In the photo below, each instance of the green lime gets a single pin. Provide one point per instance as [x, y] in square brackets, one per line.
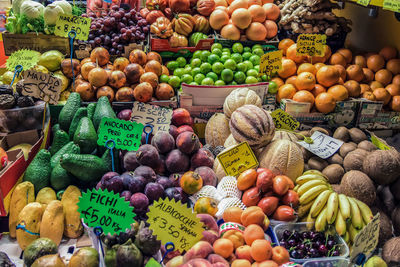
[264, 78]
[232, 83]
[204, 55]
[226, 53]
[237, 57]
[272, 87]
[240, 77]
[256, 46]
[212, 75]
[248, 64]
[216, 45]
[251, 79]
[199, 77]
[226, 50]
[252, 72]
[258, 51]
[216, 51]
[213, 58]
[186, 78]
[227, 75]
[255, 60]
[225, 58]
[237, 48]
[230, 64]
[164, 78]
[197, 54]
[207, 81]
[219, 83]
[193, 83]
[195, 71]
[188, 69]
[259, 79]
[181, 61]
[257, 68]
[246, 55]
[195, 62]
[179, 72]
[174, 81]
[247, 49]
[172, 65]
[217, 67]
[241, 67]
[205, 68]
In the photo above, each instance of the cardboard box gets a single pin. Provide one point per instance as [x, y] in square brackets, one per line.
[82, 50]
[160, 45]
[373, 116]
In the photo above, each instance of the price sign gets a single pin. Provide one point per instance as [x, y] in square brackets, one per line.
[283, 120]
[126, 134]
[367, 239]
[238, 159]
[146, 114]
[24, 57]
[311, 45]
[174, 222]
[393, 5]
[323, 145]
[271, 62]
[105, 209]
[378, 143]
[42, 85]
[66, 23]
[363, 2]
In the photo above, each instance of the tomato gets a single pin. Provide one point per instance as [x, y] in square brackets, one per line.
[265, 180]
[191, 182]
[268, 204]
[251, 197]
[284, 213]
[206, 205]
[291, 198]
[280, 185]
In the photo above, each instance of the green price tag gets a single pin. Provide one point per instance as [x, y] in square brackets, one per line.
[152, 263]
[66, 23]
[107, 210]
[363, 2]
[284, 120]
[24, 57]
[393, 5]
[126, 134]
[311, 45]
[378, 143]
[238, 159]
[271, 62]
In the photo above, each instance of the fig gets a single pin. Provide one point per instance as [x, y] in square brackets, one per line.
[154, 191]
[208, 175]
[126, 195]
[147, 155]
[177, 161]
[188, 142]
[203, 157]
[184, 128]
[163, 142]
[146, 172]
[130, 161]
[165, 182]
[125, 114]
[140, 203]
[173, 131]
[181, 116]
[133, 183]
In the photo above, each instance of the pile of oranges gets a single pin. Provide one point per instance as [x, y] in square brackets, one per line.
[322, 81]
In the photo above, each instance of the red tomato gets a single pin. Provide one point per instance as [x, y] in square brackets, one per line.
[265, 180]
[291, 198]
[280, 185]
[268, 205]
[284, 213]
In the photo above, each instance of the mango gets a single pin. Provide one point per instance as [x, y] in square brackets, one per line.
[73, 227]
[45, 196]
[52, 225]
[23, 194]
[28, 225]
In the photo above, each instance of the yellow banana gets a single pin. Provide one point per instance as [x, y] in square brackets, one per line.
[309, 177]
[332, 207]
[353, 232]
[356, 218]
[346, 237]
[320, 222]
[340, 224]
[296, 187]
[344, 206]
[312, 194]
[314, 172]
[304, 209]
[319, 203]
[366, 212]
[311, 222]
[310, 184]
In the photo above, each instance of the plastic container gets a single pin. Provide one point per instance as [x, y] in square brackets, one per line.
[328, 263]
[301, 227]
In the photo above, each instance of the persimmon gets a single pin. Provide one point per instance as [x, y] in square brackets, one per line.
[393, 89]
[381, 94]
[307, 67]
[353, 88]
[347, 54]
[337, 58]
[318, 89]
[388, 52]
[286, 91]
[395, 103]
[328, 76]
[288, 68]
[375, 62]
[291, 53]
[383, 76]
[284, 45]
[304, 96]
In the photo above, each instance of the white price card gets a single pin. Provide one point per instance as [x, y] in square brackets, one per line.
[322, 145]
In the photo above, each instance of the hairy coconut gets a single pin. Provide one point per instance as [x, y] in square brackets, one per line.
[396, 220]
[385, 228]
[367, 145]
[347, 148]
[337, 188]
[335, 159]
[382, 166]
[316, 163]
[354, 160]
[357, 184]
[391, 250]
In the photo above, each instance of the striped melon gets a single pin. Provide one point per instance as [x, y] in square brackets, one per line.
[283, 157]
[240, 97]
[217, 130]
[279, 135]
[230, 141]
[252, 124]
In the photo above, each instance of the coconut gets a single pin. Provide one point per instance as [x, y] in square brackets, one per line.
[347, 148]
[391, 250]
[357, 135]
[335, 159]
[357, 184]
[334, 172]
[396, 220]
[383, 166]
[342, 133]
[337, 188]
[367, 145]
[385, 229]
[316, 163]
[395, 188]
[354, 160]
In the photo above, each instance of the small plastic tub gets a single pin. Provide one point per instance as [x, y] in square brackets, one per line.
[303, 226]
[328, 263]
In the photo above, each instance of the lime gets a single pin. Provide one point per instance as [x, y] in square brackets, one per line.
[172, 65]
[255, 59]
[219, 83]
[197, 54]
[258, 51]
[174, 81]
[226, 53]
[227, 75]
[205, 68]
[207, 81]
[257, 68]
[248, 64]
[181, 61]
[246, 55]
[216, 45]
[164, 78]
[213, 58]
[251, 79]
[241, 67]
[179, 72]
[199, 77]
[212, 75]
[204, 55]
[247, 49]
[256, 46]
[237, 48]
[217, 67]
[188, 69]
[187, 78]
[217, 51]
[232, 83]
[195, 71]
[230, 64]
[237, 57]
[193, 83]
[264, 78]
[259, 79]
[195, 62]
[252, 72]
[272, 87]
[225, 58]
[240, 77]
[226, 50]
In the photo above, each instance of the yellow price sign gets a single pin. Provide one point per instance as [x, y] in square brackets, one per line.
[311, 45]
[238, 159]
[66, 23]
[174, 222]
[24, 57]
[363, 2]
[393, 5]
[271, 62]
[378, 143]
[283, 120]
[367, 239]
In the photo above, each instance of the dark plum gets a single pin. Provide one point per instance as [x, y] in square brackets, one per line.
[115, 184]
[126, 195]
[173, 131]
[133, 183]
[147, 155]
[177, 161]
[322, 249]
[203, 157]
[143, 140]
[207, 174]
[164, 181]
[130, 161]
[330, 244]
[286, 234]
[160, 168]
[175, 178]
[98, 186]
[176, 193]
[163, 142]
[188, 142]
[125, 114]
[154, 191]
[107, 176]
[146, 172]
[292, 243]
[140, 203]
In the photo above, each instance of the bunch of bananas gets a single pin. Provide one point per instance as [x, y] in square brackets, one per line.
[328, 210]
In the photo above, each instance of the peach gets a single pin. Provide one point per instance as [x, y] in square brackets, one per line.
[215, 258]
[197, 263]
[210, 234]
[244, 252]
[200, 250]
[175, 262]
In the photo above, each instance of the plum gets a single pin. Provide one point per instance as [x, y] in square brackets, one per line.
[130, 161]
[173, 131]
[139, 202]
[163, 142]
[175, 178]
[146, 172]
[125, 114]
[147, 155]
[203, 157]
[188, 142]
[208, 175]
[143, 140]
[153, 191]
[164, 181]
[107, 176]
[133, 183]
[176, 193]
[115, 184]
[160, 169]
[126, 195]
[176, 161]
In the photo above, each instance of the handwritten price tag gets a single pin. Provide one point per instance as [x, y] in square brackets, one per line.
[158, 117]
[174, 222]
[238, 159]
[66, 23]
[367, 239]
[42, 85]
[323, 145]
[24, 57]
[105, 209]
[311, 45]
[126, 134]
[363, 2]
[283, 120]
[393, 5]
[271, 62]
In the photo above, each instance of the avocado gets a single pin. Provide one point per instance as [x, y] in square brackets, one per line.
[103, 110]
[80, 113]
[87, 168]
[85, 136]
[60, 178]
[38, 248]
[68, 148]
[38, 172]
[106, 157]
[88, 257]
[67, 113]
[90, 110]
[52, 260]
[55, 128]
[60, 139]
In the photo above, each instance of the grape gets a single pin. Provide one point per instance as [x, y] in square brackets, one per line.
[115, 7]
[116, 39]
[91, 36]
[112, 21]
[117, 16]
[84, 15]
[123, 30]
[124, 20]
[146, 29]
[115, 45]
[107, 40]
[93, 27]
[112, 51]
[97, 40]
[120, 47]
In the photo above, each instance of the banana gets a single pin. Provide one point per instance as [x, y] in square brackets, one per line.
[311, 222]
[312, 194]
[346, 237]
[307, 186]
[332, 207]
[314, 172]
[353, 232]
[309, 177]
[356, 218]
[366, 212]
[319, 203]
[320, 222]
[340, 224]
[344, 206]
[296, 187]
[303, 209]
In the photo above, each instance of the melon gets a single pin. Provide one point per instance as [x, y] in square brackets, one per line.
[240, 97]
[283, 157]
[280, 135]
[217, 130]
[230, 141]
[252, 124]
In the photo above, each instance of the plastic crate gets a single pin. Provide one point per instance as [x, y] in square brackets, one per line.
[270, 45]
[328, 263]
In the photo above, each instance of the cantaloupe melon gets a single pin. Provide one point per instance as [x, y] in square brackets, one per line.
[230, 141]
[280, 135]
[217, 130]
[240, 97]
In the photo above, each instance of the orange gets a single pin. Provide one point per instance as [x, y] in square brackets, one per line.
[375, 85]
[394, 66]
[284, 45]
[381, 94]
[261, 250]
[236, 237]
[360, 61]
[280, 255]
[339, 92]
[375, 62]
[223, 247]
[304, 96]
[252, 233]
[286, 91]
[319, 65]
[291, 53]
[342, 71]
[383, 76]
[328, 76]
[369, 95]
[353, 88]
[395, 103]
[317, 59]
[305, 81]
[368, 75]
[307, 67]
[355, 72]
[232, 214]
[291, 80]
[396, 79]
[268, 263]
[288, 68]
[337, 59]
[393, 89]
[243, 252]
[365, 87]
[318, 89]
[347, 54]
[325, 103]
[388, 52]
[279, 82]
[241, 263]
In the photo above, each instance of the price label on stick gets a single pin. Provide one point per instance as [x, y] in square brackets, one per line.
[311, 45]
[238, 159]
[146, 114]
[283, 120]
[322, 145]
[271, 62]
[24, 57]
[126, 134]
[66, 23]
[363, 2]
[392, 5]
[107, 210]
[367, 239]
[42, 85]
[174, 222]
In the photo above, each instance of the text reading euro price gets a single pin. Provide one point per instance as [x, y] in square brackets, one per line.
[271, 62]
[283, 120]
[66, 23]
[238, 159]
[311, 44]
[393, 5]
